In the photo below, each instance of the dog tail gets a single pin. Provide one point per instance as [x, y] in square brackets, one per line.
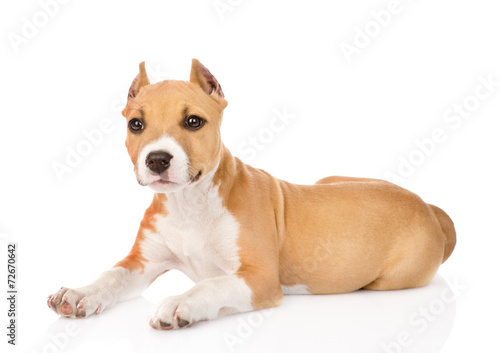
[448, 230]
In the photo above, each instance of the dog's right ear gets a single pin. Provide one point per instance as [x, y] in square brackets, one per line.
[140, 81]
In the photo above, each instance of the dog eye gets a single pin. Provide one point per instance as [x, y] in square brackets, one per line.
[135, 125]
[194, 122]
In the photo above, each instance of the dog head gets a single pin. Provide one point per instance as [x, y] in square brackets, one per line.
[173, 128]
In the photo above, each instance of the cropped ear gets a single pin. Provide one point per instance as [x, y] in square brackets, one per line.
[203, 78]
[139, 81]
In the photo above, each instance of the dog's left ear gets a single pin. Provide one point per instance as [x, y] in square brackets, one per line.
[203, 78]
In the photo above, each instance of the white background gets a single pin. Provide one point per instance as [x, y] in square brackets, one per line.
[358, 118]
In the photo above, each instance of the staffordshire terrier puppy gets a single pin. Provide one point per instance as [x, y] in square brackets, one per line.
[244, 237]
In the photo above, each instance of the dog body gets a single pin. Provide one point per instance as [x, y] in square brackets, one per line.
[245, 237]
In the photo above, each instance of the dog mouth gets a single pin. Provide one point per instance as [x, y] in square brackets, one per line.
[162, 180]
[165, 181]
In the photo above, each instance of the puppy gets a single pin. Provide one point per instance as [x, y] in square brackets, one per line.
[245, 237]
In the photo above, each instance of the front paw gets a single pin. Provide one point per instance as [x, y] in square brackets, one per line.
[176, 312]
[74, 303]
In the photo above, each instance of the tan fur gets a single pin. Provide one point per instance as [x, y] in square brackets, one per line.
[448, 230]
[339, 235]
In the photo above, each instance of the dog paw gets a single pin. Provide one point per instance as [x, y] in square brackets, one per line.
[175, 312]
[72, 303]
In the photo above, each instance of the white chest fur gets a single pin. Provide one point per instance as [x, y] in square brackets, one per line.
[198, 236]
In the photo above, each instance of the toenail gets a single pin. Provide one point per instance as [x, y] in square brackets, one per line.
[183, 323]
[164, 324]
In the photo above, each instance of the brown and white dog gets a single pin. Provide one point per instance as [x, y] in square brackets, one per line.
[245, 237]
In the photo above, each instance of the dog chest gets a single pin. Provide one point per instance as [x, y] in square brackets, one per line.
[198, 236]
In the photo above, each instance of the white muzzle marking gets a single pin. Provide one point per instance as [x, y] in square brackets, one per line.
[175, 177]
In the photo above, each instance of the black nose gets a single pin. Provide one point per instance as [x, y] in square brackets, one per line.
[158, 161]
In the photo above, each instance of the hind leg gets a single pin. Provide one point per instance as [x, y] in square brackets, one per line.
[393, 280]
[411, 270]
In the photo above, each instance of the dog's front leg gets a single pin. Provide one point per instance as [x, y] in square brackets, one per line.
[127, 280]
[115, 285]
[216, 297]
[208, 299]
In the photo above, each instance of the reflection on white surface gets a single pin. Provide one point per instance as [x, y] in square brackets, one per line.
[414, 320]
